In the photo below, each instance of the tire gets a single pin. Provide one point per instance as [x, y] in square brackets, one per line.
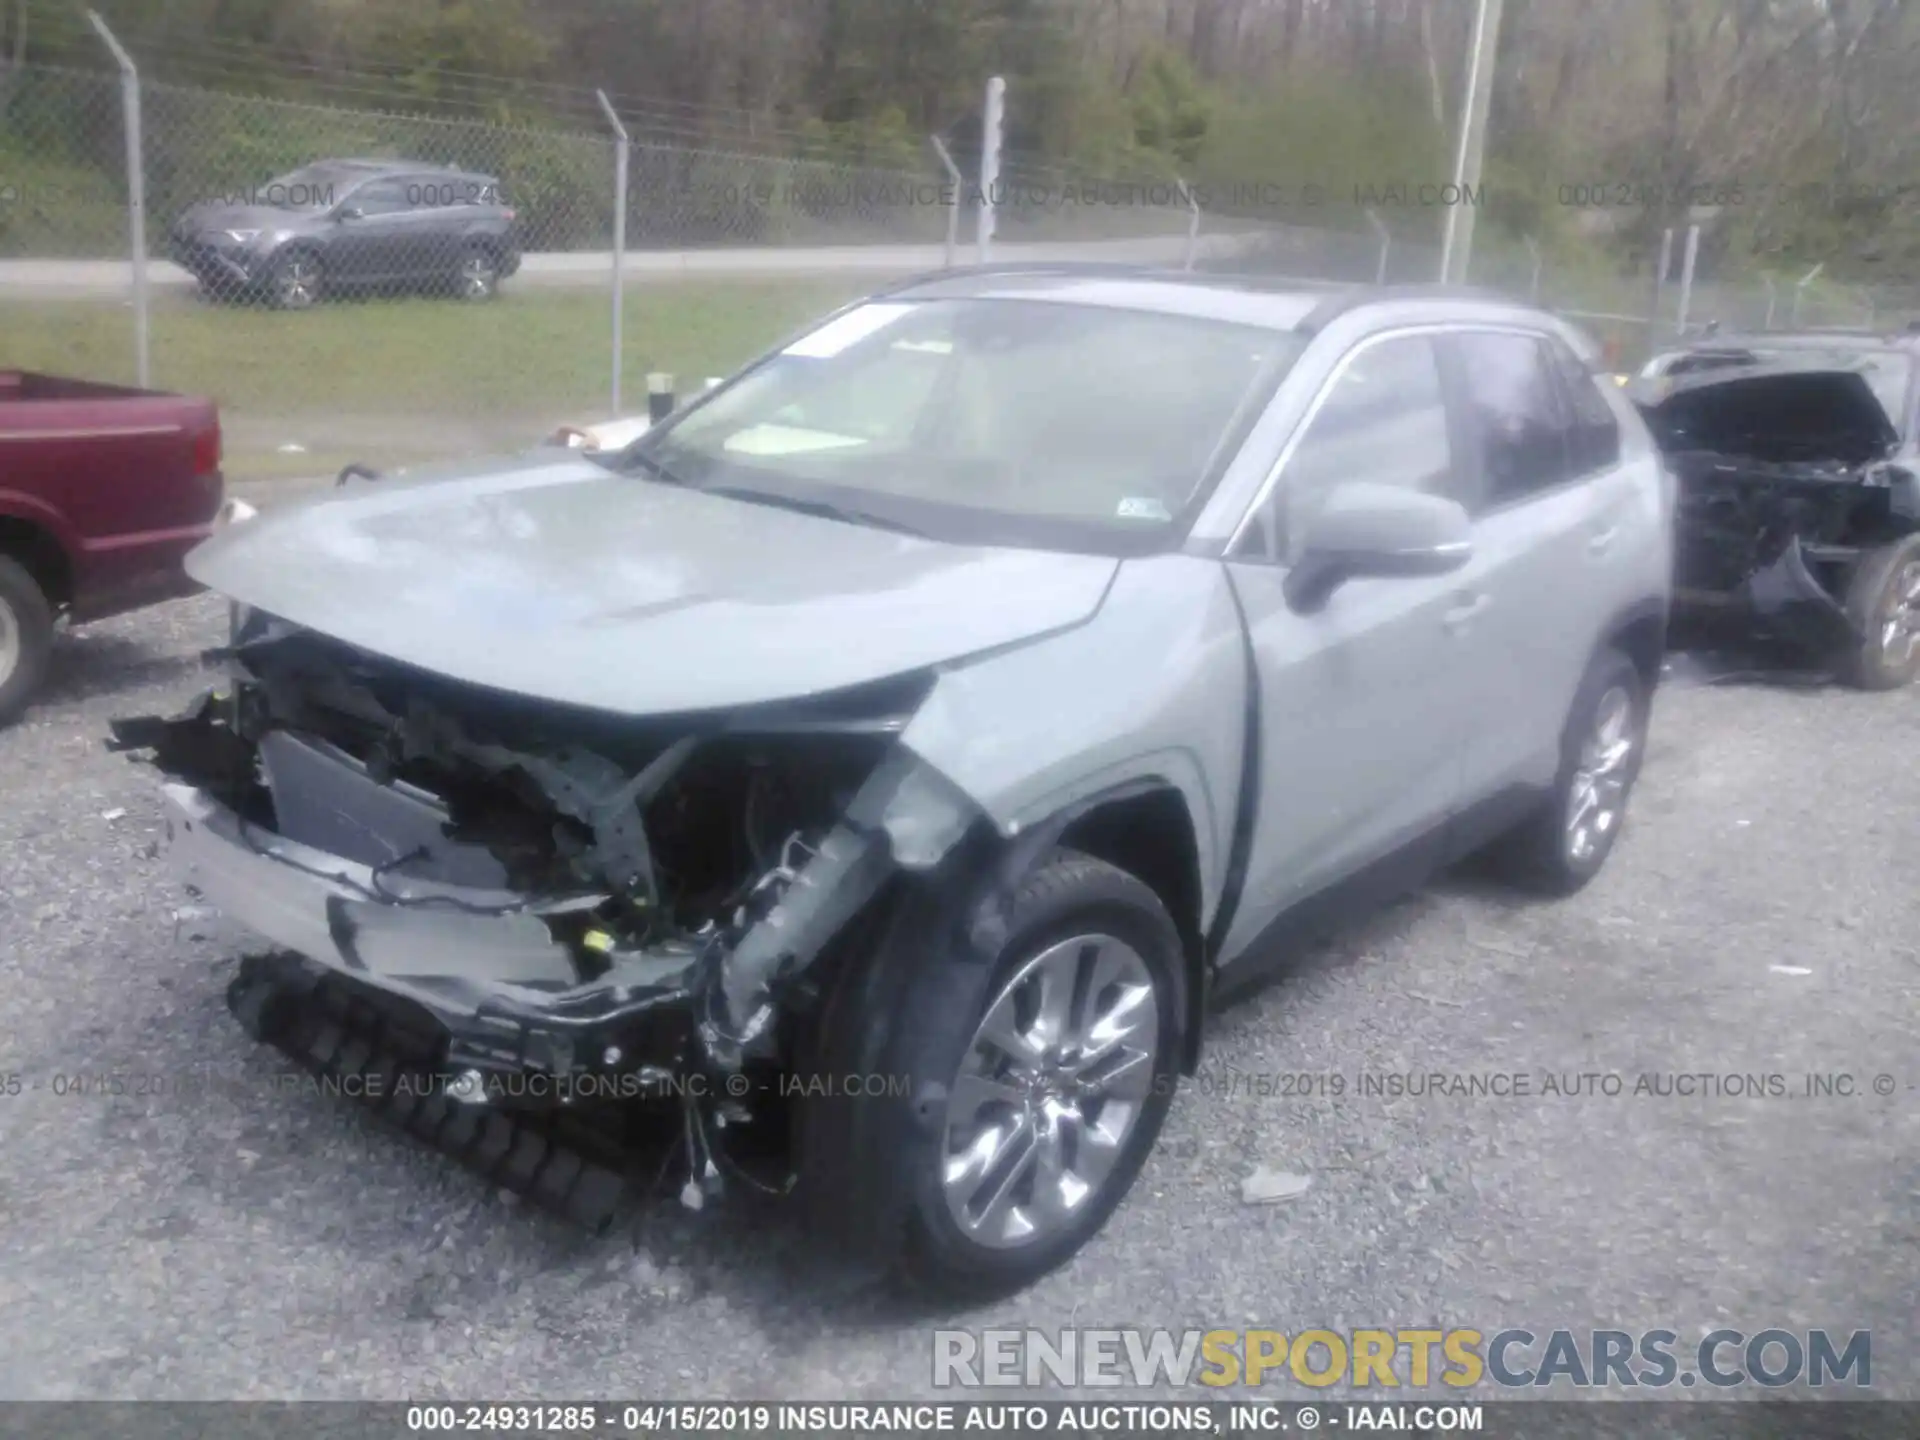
[1545, 853]
[26, 638]
[1883, 600]
[295, 279]
[478, 278]
[871, 1170]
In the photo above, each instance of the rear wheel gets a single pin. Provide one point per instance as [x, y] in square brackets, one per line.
[1039, 1076]
[1567, 841]
[1883, 600]
[26, 638]
[479, 277]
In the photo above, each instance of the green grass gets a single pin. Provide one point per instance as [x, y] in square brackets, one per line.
[392, 380]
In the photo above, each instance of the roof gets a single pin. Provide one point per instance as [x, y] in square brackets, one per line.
[395, 167]
[1246, 299]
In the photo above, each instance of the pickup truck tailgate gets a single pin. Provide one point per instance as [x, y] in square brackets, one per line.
[125, 481]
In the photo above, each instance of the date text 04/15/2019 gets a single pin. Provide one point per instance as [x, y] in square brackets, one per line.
[844, 1418]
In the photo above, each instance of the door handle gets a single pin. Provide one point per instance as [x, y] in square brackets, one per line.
[1464, 610]
[1601, 540]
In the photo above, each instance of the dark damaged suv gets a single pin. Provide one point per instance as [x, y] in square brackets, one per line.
[1799, 480]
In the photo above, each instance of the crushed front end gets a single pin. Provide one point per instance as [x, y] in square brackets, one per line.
[501, 921]
[1787, 478]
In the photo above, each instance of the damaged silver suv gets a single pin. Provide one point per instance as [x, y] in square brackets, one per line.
[878, 768]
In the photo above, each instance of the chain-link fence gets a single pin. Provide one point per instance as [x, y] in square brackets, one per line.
[62, 166]
[361, 283]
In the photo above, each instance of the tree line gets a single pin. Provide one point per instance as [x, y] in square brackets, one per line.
[1791, 126]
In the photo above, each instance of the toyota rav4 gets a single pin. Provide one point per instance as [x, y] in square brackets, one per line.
[884, 762]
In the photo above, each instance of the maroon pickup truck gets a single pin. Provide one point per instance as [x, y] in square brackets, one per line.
[103, 490]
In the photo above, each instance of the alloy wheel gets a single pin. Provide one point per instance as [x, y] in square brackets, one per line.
[1900, 631]
[1599, 789]
[299, 282]
[478, 275]
[1052, 1086]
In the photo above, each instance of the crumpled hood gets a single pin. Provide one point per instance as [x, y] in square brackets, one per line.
[555, 579]
[1769, 411]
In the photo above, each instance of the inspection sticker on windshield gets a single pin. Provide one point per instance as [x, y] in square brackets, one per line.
[851, 328]
[1136, 507]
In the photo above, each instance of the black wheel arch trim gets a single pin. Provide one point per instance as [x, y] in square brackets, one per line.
[1650, 616]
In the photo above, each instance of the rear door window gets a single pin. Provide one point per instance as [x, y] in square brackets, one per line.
[1593, 433]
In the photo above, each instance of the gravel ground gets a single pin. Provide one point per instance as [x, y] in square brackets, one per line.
[251, 1240]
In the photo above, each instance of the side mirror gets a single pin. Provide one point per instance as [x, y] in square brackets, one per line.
[350, 212]
[1381, 531]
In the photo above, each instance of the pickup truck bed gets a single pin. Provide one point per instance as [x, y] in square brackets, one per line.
[103, 490]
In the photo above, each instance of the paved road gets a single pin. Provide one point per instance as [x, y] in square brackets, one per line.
[60, 279]
[256, 1240]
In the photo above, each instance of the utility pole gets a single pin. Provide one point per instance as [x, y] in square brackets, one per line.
[992, 119]
[1456, 248]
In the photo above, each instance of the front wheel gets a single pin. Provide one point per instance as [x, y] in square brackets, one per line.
[1883, 601]
[294, 281]
[1038, 1077]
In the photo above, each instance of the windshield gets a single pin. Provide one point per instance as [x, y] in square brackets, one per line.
[1889, 374]
[987, 421]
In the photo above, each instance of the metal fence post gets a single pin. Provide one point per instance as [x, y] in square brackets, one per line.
[136, 192]
[1193, 224]
[1660, 284]
[1386, 245]
[990, 139]
[619, 239]
[1800, 290]
[1686, 279]
[953, 209]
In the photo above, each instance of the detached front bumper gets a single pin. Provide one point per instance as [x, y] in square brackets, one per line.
[1784, 600]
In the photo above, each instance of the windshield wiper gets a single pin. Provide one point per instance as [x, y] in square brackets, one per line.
[638, 458]
[824, 509]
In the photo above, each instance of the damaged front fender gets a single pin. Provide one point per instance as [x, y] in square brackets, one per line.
[906, 815]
